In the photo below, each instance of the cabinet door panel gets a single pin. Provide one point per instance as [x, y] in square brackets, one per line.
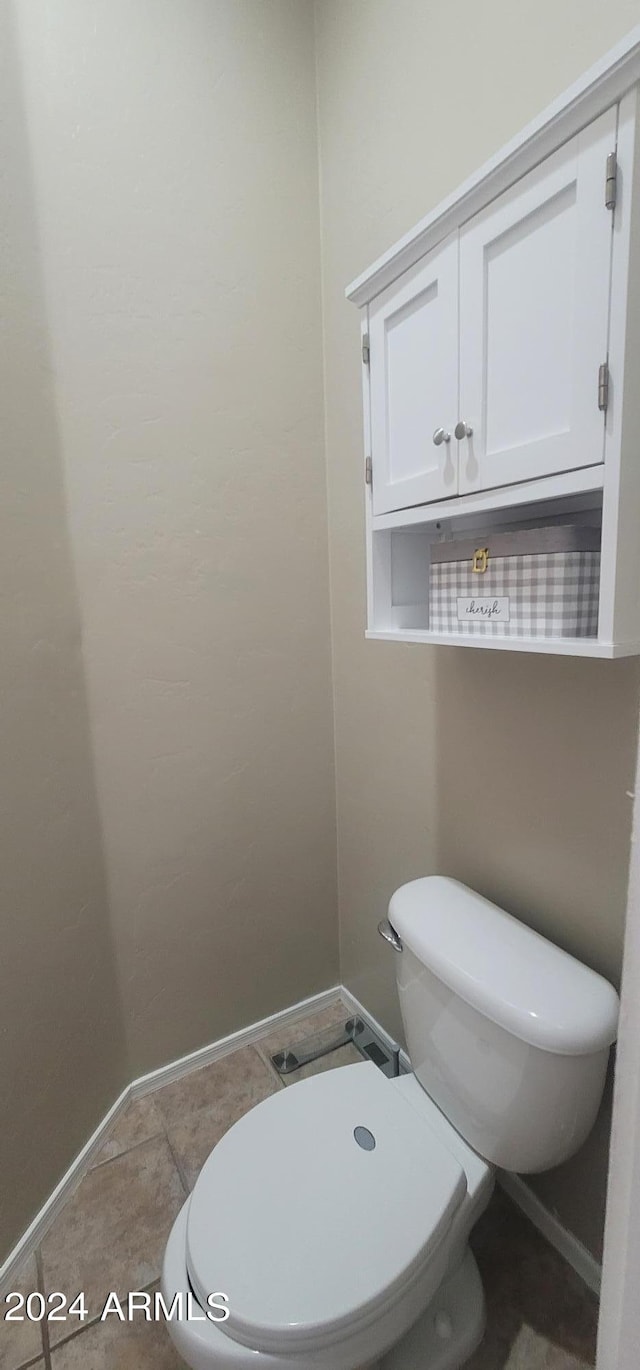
[413, 332]
[534, 304]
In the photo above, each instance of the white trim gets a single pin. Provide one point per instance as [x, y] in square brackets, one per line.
[550, 646]
[619, 1327]
[552, 1229]
[34, 1234]
[599, 88]
[243, 1038]
[586, 481]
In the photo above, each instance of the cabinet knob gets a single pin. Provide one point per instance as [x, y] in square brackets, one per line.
[462, 430]
[441, 436]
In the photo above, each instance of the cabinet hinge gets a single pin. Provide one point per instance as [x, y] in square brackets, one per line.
[603, 386]
[611, 181]
[366, 350]
[368, 471]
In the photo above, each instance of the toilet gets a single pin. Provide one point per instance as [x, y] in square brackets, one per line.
[335, 1215]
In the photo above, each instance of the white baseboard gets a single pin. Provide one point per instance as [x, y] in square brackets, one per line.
[243, 1038]
[34, 1234]
[31, 1239]
[551, 1228]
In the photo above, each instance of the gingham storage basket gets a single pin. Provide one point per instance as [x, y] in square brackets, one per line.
[537, 582]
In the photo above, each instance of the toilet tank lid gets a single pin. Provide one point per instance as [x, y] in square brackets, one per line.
[504, 969]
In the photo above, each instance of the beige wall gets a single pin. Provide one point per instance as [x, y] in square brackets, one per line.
[168, 273]
[62, 1057]
[174, 150]
[508, 772]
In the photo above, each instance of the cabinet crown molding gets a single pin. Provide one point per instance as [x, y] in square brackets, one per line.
[600, 87]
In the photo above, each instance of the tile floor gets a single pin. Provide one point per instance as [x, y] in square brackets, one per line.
[112, 1232]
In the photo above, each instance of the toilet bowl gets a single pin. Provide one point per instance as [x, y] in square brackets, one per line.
[334, 1217]
[304, 1292]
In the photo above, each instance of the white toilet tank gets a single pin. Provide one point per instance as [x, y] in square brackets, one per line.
[508, 1034]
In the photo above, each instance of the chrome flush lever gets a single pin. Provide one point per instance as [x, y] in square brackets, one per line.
[390, 935]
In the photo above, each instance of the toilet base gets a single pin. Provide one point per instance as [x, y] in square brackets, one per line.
[449, 1330]
[443, 1337]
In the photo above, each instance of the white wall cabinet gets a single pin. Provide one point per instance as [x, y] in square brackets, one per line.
[484, 357]
[501, 356]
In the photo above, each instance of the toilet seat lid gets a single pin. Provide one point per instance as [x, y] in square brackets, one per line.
[305, 1229]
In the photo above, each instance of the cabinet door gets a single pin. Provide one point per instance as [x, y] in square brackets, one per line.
[534, 304]
[413, 335]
